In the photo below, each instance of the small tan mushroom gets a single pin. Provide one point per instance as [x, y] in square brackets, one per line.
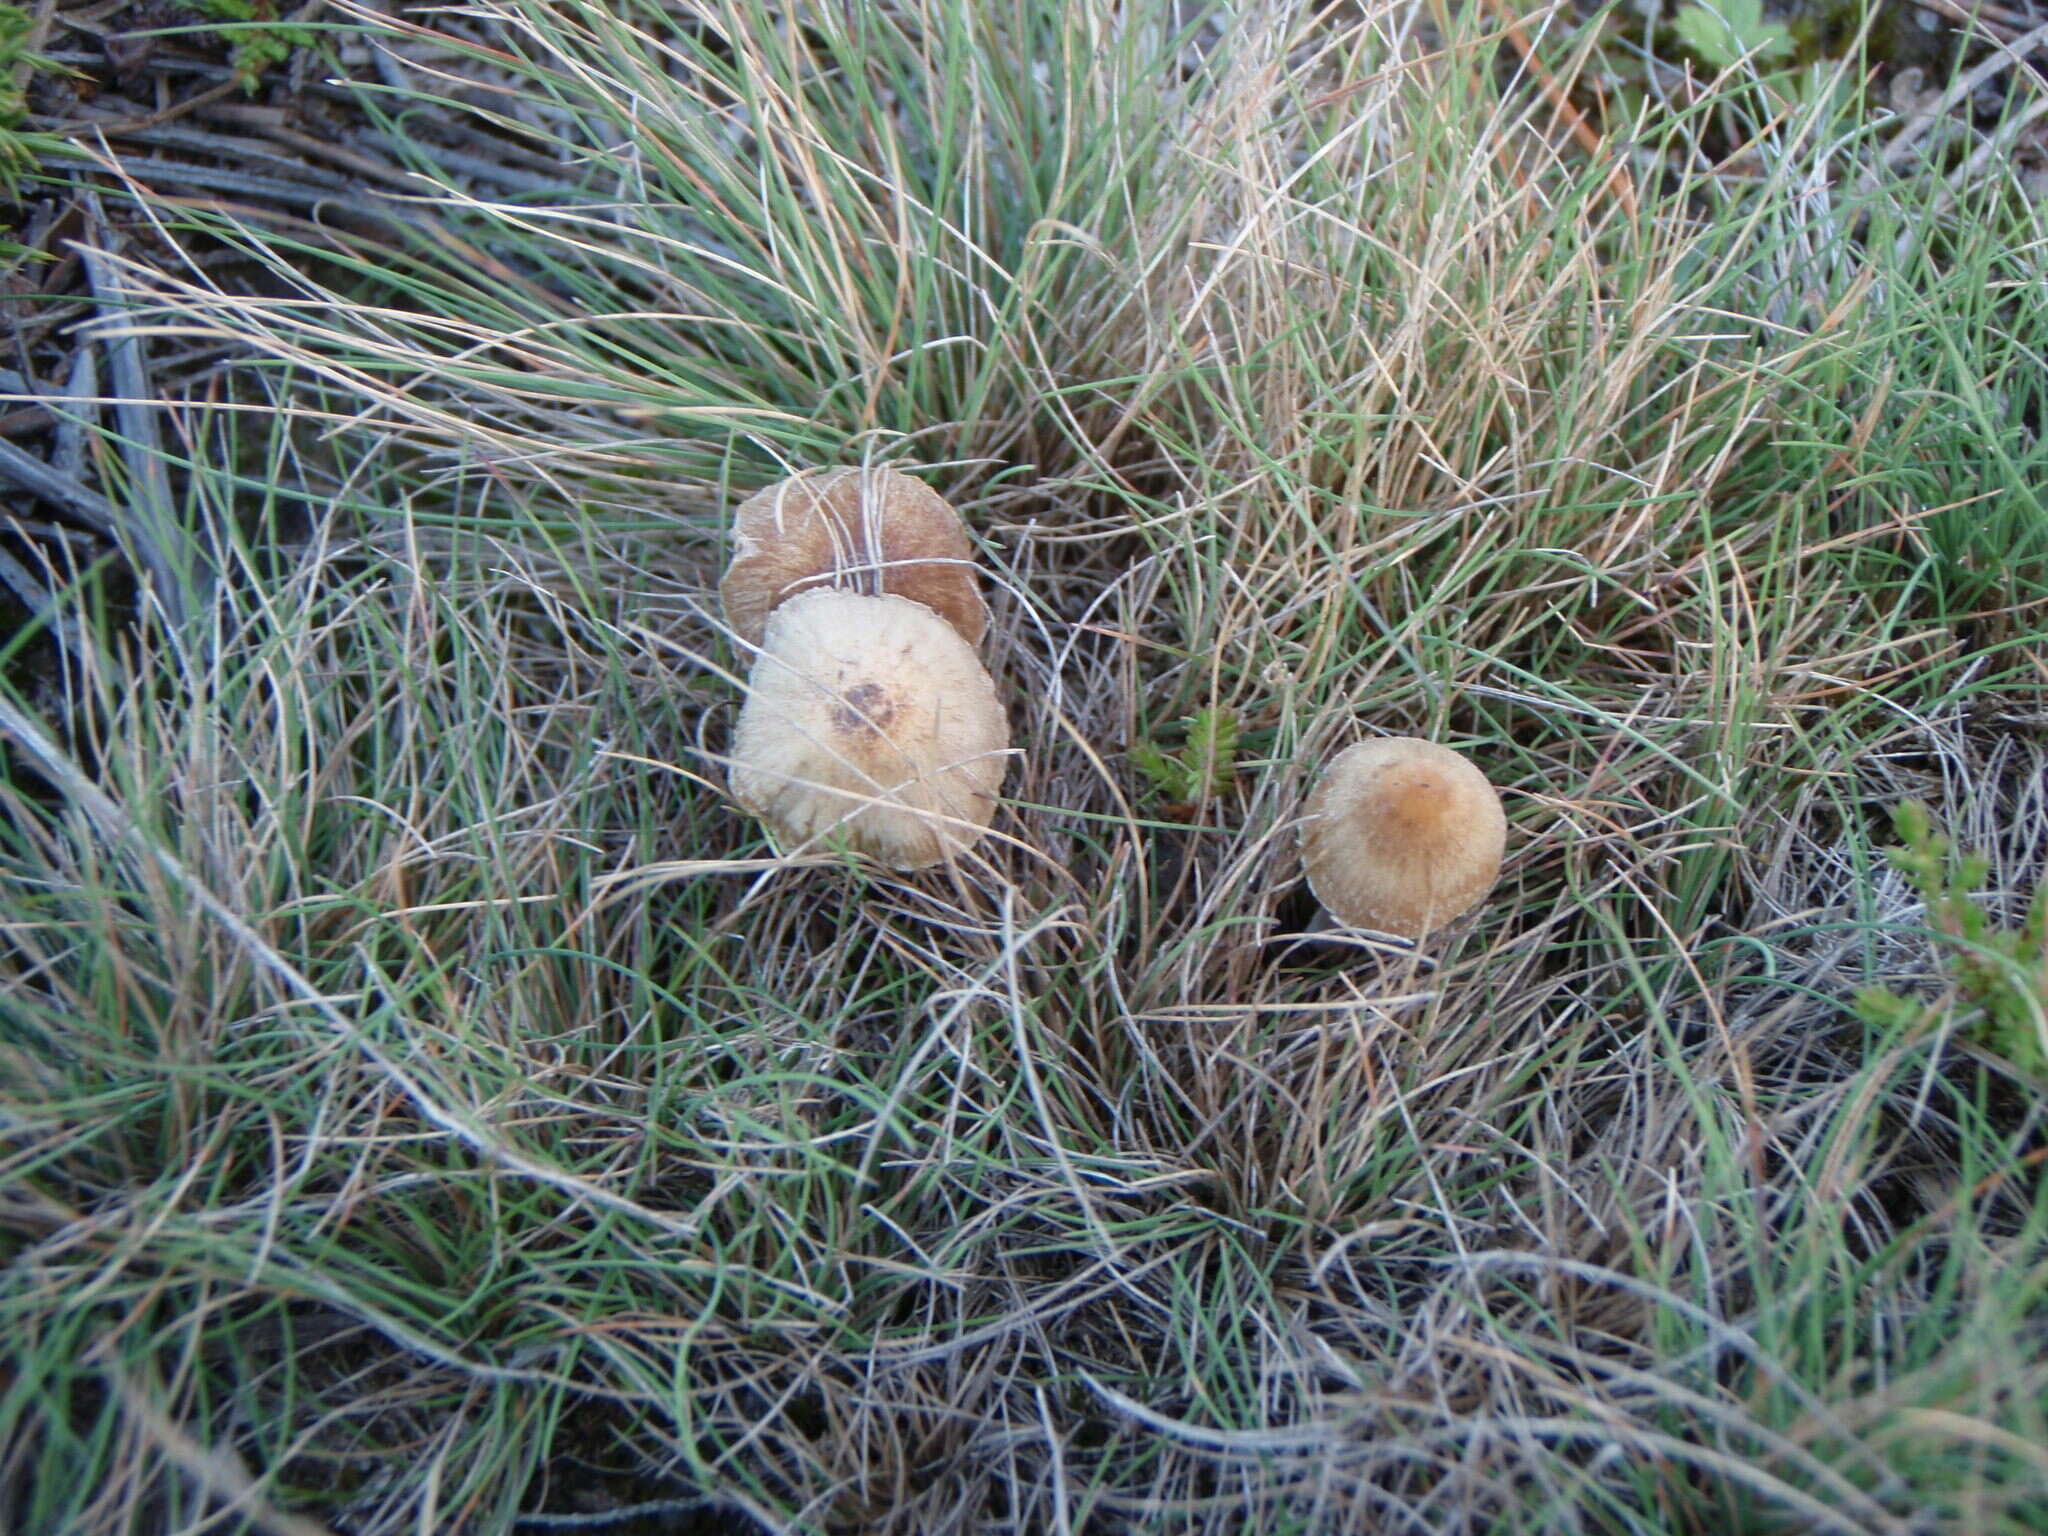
[866, 530]
[1402, 836]
[870, 718]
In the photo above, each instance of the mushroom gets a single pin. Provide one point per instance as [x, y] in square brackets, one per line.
[872, 717]
[869, 530]
[1402, 836]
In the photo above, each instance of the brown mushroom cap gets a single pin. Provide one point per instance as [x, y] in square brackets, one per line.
[1401, 836]
[867, 530]
[871, 718]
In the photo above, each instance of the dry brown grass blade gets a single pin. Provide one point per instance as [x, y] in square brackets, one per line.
[1620, 184]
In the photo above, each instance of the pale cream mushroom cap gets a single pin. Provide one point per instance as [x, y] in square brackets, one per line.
[869, 719]
[866, 530]
[1401, 836]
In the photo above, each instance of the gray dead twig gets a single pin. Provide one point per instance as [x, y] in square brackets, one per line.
[29, 473]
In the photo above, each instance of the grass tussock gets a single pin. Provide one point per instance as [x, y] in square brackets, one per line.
[426, 1104]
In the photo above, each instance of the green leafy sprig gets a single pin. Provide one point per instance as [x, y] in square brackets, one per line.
[2000, 974]
[1204, 766]
[1726, 32]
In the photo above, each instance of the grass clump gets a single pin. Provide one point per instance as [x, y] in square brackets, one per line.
[428, 1104]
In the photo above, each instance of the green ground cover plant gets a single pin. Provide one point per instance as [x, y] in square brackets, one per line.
[2002, 973]
[426, 1103]
[1204, 763]
[261, 39]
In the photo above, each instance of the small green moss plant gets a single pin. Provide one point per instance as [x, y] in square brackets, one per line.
[261, 42]
[2000, 974]
[1203, 767]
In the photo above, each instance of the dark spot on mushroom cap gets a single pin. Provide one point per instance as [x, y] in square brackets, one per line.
[864, 708]
[904, 762]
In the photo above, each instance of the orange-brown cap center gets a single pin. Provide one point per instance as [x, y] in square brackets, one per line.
[1413, 798]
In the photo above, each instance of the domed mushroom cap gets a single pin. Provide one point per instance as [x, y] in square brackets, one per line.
[870, 717]
[867, 530]
[1401, 836]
